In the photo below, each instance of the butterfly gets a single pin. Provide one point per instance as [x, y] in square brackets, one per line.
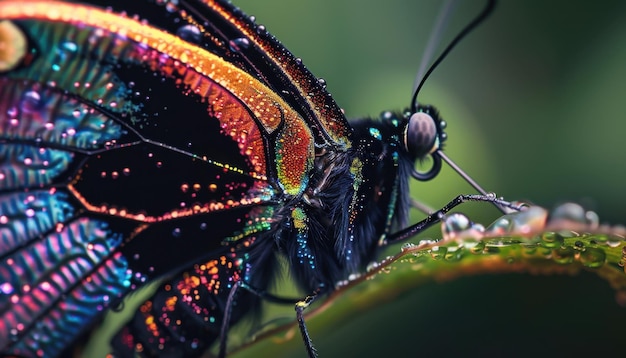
[183, 140]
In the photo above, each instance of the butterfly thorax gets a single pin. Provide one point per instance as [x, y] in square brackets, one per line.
[354, 198]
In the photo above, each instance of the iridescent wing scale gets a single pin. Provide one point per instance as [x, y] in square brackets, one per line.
[131, 149]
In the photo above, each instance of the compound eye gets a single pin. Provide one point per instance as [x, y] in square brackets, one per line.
[421, 136]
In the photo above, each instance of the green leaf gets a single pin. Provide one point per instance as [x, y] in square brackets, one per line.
[528, 284]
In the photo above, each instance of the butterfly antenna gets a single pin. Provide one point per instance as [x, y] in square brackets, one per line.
[434, 40]
[441, 20]
[440, 24]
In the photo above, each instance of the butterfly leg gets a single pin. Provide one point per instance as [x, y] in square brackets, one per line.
[300, 307]
[226, 319]
[440, 214]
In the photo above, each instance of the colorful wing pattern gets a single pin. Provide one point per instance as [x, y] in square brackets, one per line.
[135, 147]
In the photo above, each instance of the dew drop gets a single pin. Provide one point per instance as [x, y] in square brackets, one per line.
[190, 33]
[372, 266]
[551, 240]
[457, 225]
[31, 101]
[477, 248]
[6, 288]
[171, 7]
[568, 212]
[613, 241]
[12, 112]
[563, 255]
[407, 246]
[457, 222]
[593, 257]
[238, 45]
[593, 219]
[69, 46]
[454, 254]
[438, 252]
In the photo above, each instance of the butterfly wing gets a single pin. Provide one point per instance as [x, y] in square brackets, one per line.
[131, 149]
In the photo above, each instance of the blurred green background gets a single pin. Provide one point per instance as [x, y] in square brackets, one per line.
[534, 99]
